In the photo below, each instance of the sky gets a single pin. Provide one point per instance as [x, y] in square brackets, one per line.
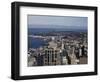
[57, 20]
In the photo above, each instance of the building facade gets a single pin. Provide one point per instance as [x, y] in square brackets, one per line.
[51, 57]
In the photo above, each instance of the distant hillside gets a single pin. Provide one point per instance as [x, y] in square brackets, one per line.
[58, 27]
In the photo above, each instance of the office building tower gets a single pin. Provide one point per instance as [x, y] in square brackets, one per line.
[51, 57]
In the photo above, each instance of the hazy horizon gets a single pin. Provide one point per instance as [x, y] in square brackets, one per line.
[55, 27]
[37, 21]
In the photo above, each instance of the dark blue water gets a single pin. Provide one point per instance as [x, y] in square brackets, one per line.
[35, 30]
[35, 42]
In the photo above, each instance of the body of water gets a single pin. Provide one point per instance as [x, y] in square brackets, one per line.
[37, 42]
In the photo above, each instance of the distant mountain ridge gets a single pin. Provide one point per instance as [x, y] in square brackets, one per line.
[58, 27]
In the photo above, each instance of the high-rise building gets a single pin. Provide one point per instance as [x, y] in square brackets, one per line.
[64, 57]
[40, 61]
[51, 57]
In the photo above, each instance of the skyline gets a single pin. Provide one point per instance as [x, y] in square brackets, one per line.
[65, 21]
